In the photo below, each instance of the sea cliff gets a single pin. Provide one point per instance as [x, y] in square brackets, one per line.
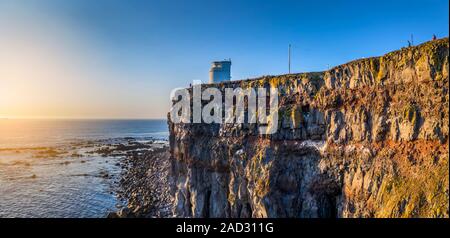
[368, 138]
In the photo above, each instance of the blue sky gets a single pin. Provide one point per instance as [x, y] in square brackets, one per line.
[134, 52]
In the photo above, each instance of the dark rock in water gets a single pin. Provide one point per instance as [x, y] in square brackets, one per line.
[76, 155]
[112, 215]
[123, 213]
[104, 174]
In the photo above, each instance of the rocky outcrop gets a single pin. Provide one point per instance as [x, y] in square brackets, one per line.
[365, 139]
[145, 185]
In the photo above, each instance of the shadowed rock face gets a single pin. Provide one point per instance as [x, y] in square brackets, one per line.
[364, 139]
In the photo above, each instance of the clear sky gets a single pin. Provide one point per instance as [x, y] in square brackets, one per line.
[121, 59]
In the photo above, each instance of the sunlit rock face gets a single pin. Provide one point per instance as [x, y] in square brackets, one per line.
[365, 139]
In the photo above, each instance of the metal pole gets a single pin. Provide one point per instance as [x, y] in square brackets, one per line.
[289, 58]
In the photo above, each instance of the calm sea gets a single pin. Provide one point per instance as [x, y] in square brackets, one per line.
[50, 168]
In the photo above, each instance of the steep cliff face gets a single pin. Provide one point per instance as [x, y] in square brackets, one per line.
[365, 139]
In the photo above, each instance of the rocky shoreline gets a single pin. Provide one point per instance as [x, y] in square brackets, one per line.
[144, 185]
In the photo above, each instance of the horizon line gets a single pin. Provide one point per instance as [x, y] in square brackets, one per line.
[78, 118]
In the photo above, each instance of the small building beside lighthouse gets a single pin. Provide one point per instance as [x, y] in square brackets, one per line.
[220, 71]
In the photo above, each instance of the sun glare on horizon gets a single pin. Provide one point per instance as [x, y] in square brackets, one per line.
[51, 68]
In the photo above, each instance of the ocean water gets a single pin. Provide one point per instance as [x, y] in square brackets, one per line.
[58, 168]
[23, 133]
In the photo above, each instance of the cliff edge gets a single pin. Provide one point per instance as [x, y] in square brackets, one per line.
[364, 139]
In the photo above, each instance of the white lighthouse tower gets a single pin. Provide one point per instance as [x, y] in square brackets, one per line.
[220, 71]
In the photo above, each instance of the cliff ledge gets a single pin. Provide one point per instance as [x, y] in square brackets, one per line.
[364, 139]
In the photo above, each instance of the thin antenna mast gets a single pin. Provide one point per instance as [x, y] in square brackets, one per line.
[289, 58]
